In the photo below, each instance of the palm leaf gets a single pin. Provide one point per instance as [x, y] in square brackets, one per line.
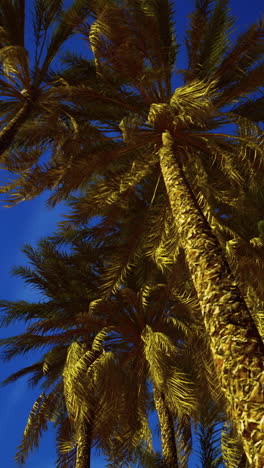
[44, 409]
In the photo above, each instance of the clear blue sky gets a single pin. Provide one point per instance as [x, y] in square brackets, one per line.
[27, 223]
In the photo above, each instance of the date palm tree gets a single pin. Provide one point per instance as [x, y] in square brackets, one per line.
[180, 132]
[85, 362]
[52, 328]
[27, 67]
[80, 380]
[151, 238]
[160, 333]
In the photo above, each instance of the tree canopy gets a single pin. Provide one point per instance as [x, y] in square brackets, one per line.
[158, 296]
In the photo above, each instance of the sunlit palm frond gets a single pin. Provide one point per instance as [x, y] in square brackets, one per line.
[160, 353]
[44, 409]
[231, 446]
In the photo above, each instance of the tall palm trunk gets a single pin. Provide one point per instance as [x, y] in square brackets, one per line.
[84, 445]
[236, 345]
[9, 132]
[169, 449]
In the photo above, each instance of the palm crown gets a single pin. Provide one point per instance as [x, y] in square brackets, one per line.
[27, 68]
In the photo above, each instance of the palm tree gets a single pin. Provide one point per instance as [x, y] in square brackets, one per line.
[178, 130]
[37, 116]
[55, 322]
[120, 429]
[25, 76]
[87, 372]
[80, 379]
[157, 330]
[137, 243]
[63, 323]
[83, 424]
[175, 131]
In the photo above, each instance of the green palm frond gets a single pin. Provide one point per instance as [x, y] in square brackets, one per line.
[160, 354]
[247, 84]
[161, 238]
[21, 310]
[207, 39]
[77, 364]
[56, 355]
[118, 265]
[209, 434]
[44, 410]
[45, 14]
[232, 451]
[215, 42]
[110, 25]
[22, 372]
[157, 17]
[239, 62]
[195, 35]
[78, 69]
[69, 20]
[27, 342]
[14, 62]
[91, 378]
[202, 364]
[184, 439]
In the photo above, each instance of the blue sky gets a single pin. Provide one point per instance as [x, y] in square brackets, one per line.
[27, 223]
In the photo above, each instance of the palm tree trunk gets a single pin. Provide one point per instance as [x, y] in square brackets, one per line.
[169, 449]
[84, 444]
[236, 345]
[9, 132]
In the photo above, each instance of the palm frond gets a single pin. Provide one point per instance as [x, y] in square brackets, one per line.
[69, 21]
[12, 19]
[251, 109]
[209, 435]
[239, 61]
[22, 372]
[160, 354]
[232, 451]
[195, 35]
[44, 409]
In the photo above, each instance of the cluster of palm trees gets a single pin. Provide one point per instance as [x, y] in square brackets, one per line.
[154, 285]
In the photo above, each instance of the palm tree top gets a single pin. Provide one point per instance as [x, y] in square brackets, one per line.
[134, 49]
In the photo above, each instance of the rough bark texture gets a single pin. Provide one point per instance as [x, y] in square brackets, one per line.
[169, 449]
[10, 130]
[84, 442]
[236, 345]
